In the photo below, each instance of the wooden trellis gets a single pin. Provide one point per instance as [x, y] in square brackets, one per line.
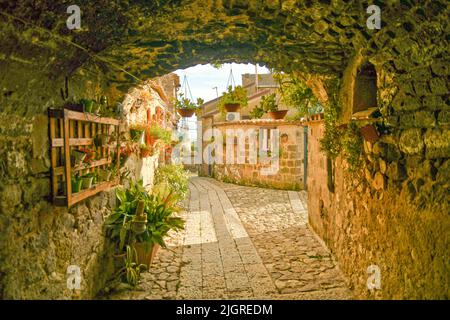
[70, 130]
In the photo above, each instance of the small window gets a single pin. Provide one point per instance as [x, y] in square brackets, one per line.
[365, 91]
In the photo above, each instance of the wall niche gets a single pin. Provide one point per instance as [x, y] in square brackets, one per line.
[365, 89]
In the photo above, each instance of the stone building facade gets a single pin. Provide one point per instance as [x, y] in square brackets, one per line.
[289, 170]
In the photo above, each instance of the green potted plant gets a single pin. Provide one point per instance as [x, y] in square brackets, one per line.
[78, 156]
[257, 112]
[76, 183]
[233, 99]
[158, 207]
[156, 132]
[136, 132]
[186, 108]
[104, 175]
[88, 105]
[87, 180]
[268, 104]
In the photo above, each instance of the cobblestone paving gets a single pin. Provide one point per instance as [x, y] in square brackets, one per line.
[242, 242]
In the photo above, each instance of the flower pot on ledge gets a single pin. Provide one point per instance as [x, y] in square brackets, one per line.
[232, 107]
[277, 115]
[186, 113]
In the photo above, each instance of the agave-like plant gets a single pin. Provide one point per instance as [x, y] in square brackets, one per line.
[159, 206]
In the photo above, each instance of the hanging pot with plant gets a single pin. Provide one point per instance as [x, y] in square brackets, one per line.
[186, 108]
[277, 115]
[268, 104]
[233, 99]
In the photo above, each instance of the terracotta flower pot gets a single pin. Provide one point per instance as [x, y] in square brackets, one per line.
[186, 113]
[146, 153]
[143, 257]
[232, 107]
[277, 115]
[370, 133]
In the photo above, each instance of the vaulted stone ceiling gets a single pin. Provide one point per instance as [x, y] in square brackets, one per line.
[149, 38]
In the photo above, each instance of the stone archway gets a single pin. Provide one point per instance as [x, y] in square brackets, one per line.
[124, 43]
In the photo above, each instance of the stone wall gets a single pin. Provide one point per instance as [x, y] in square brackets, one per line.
[393, 211]
[290, 173]
[38, 241]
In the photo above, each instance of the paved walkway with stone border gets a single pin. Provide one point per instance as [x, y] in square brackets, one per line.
[242, 243]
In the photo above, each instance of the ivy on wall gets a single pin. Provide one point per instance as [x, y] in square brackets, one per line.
[345, 140]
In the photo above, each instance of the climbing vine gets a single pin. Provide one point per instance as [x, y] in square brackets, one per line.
[345, 140]
[331, 141]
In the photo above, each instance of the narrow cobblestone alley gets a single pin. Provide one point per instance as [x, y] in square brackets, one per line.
[242, 243]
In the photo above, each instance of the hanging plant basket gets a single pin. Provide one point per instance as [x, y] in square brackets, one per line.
[186, 113]
[277, 115]
[232, 107]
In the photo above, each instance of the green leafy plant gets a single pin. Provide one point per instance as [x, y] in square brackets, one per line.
[331, 142]
[159, 133]
[352, 147]
[175, 177]
[238, 95]
[268, 103]
[297, 94]
[185, 103]
[136, 131]
[159, 206]
[257, 112]
[132, 270]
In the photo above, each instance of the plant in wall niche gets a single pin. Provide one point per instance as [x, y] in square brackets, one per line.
[186, 108]
[159, 208]
[175, 177]
[269, 104]
[233, 99]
